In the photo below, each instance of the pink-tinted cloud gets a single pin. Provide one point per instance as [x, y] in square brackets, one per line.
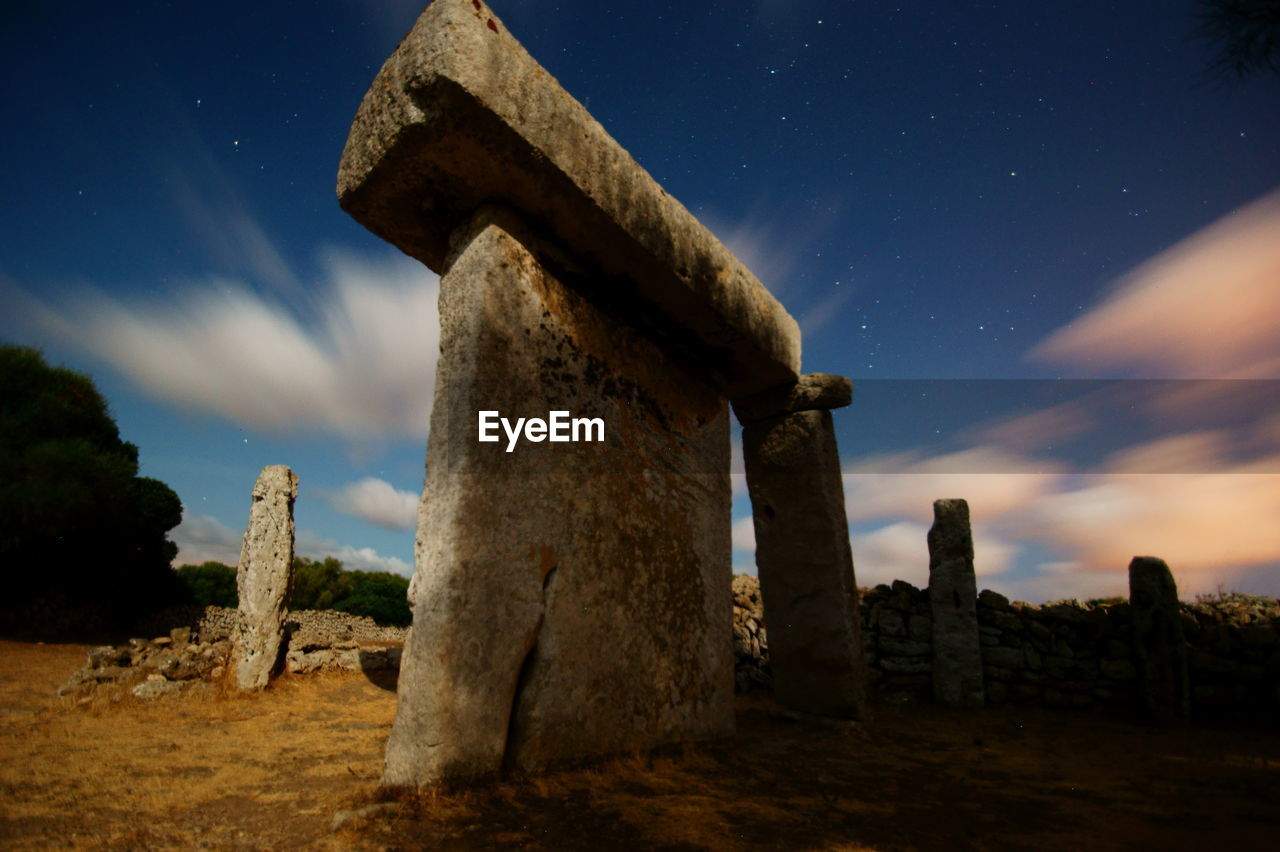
[1206, 308]
[905, 486]
[1210, 527]
[899, 551]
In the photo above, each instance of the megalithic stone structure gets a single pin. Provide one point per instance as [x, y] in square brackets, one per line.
[802, 545]
[570, 599]
[264, 577]
[953, 601]
[1159, 644]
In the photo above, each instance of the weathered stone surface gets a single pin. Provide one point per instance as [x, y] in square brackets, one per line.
[460, 115]
[811, 392]
[1159, 646]
[571, 599]
[805, 563]
[953, 592]
[751, 669]
[264, 576]
[151, 689]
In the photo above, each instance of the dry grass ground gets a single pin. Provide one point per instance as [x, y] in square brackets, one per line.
[269, 771]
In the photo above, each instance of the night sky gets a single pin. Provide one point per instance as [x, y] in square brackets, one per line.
[947, 197]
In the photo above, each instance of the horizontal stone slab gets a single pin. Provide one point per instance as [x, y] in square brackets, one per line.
[461, 115]
[810, 392]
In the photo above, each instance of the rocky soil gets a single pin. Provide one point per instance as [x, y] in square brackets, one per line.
[297, 765]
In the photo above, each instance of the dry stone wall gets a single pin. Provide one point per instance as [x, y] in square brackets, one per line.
[1076, 654]
[1066, 654]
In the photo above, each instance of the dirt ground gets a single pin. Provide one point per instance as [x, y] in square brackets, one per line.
[269, 771]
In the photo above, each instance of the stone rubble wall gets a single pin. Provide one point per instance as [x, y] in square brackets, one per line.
[310, 627]
[197, 651]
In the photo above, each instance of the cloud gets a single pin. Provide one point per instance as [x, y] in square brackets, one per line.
[229, 233]
[1083, 529]
[314, 546]
[905, 485]
[895, 551]
[377, 502]
[744, 536]
[1205, 308]
[900, 551]
[364, 367]
[204, 538]
[1206, 526]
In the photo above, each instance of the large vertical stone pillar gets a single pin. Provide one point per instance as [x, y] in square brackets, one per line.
[802, 545]
[571, 599]
[953, 597]
[1159, 646]
[264, 577]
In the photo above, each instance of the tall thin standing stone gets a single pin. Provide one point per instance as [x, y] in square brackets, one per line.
[953, 594]
[1159, 646]
[264, 576]
[802, 545]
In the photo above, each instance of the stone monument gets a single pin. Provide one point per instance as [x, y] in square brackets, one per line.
[802, 545]
[1159, 644]
[264, 577]
[571, 599]
[953, 601]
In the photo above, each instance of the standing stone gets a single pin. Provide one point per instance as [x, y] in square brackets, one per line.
[571, 599]
[1159, 646]
[802, 546]
[264, 576]
[953, 595]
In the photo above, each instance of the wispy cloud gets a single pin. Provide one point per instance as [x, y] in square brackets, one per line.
[363, 367]
[378, 502]
[230, 235]
[1205, 308]
[204, 538]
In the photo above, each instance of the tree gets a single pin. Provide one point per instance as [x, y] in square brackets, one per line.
[1245, 35]
[210, 584]
[77, 523]
[381, 596]
[325, 584]
[318, 584]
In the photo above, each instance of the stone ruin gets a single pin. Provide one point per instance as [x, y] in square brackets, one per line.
[570, 281]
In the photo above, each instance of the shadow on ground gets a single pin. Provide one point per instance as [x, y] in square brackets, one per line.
[915, 779]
